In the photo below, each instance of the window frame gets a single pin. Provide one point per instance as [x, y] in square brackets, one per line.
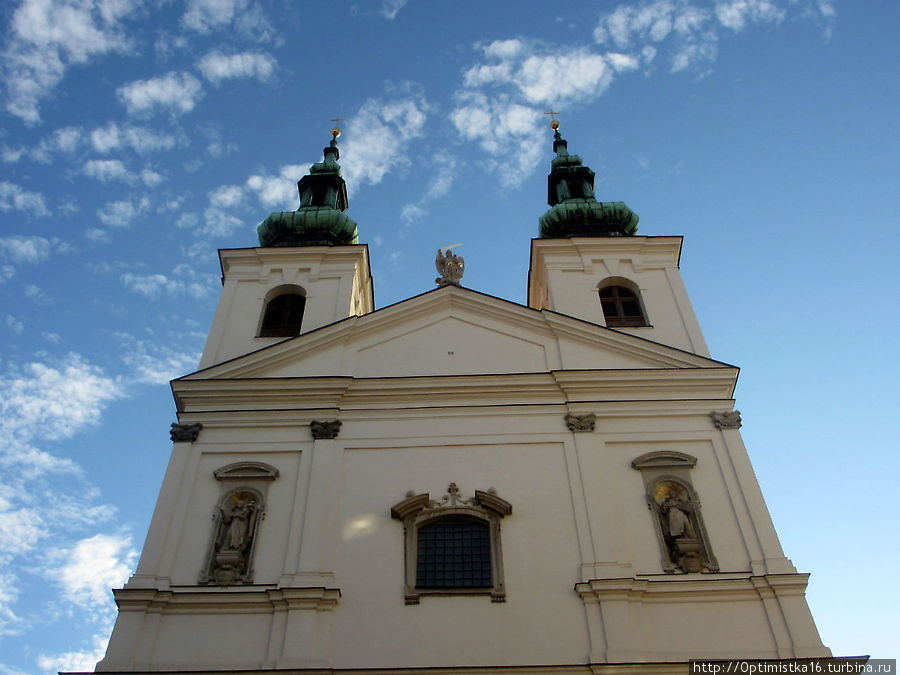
[620, 319]
[419, 510]
[273, 296]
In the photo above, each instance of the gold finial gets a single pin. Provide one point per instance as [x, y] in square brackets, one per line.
[554, 123]
[336, 130]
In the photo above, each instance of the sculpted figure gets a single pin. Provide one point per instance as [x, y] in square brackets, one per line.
[451, 268]
[238, 523]
[233, 544]
[677, 518]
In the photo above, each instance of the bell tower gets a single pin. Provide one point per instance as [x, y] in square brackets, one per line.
[589, 262]
[309, 270]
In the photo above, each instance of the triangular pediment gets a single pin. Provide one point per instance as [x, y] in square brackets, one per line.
[454, 331]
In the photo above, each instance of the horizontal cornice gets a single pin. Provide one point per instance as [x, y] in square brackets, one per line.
[555, 387]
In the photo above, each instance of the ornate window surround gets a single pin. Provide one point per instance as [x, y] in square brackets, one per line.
[419, 509]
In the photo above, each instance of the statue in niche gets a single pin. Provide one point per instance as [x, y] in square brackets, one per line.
[451, 268]
[680, 527]
[236, 524]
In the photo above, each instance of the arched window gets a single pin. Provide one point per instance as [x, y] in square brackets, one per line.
[621, 307]
[283, 314]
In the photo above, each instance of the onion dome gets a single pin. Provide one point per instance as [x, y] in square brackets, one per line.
[320, 220]
[575, 211]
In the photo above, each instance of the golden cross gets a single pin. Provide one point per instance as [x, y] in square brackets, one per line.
[336, 130]
[554, 123]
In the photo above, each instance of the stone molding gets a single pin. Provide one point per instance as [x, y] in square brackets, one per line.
[663, 459]
[581, 423]
[187, 432]
[326, 430]
[242, 599]
[246, 471]
[730, 419]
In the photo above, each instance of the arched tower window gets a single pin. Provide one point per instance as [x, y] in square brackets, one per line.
[621, 304]
[283, 312]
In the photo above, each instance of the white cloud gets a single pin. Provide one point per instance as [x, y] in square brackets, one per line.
[204, 15]
[378, 136]
[183, 281]
[226, 197]
[15, 326]
[543, 76]
[67, 139]
[98, 235]
[691, 29]
[217, 66]
[278, 191]
[501, 103]
[106, 170]
[53, 402]
[411, 213]
[153, 364]
[176, 92]
[438, 186]
[390, 8]
[736, 13]
[48, 36]
[82, 661]
[187, 220]
[122, 213]
[13, 196]
[151, 178]
[94, 566]
[140, 139]
[508, 132]
[218, 223]
[247, 19]
[32, 250]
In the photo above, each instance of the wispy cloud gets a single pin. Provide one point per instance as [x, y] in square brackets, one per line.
[93, 566]
[14, 196]
[152, 363]
[246, 18]
[30, 249]
[123, 213]
[217, 66]
[182, 281]
[278, 191]
[445, 166]
[390, 8]
[140, 139]
[500, 101]
[378, 135]
[106, 170]
[49, 36]
[175, 92]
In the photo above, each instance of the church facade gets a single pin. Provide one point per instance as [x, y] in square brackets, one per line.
[457, 481]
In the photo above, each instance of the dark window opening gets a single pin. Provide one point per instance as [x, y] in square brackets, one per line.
[576, 189]
[319, 196]
[621, 307]
[454, 552]
[283, 316]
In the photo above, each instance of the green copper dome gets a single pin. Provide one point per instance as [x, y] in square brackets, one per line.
[320, 220]
[574, 211]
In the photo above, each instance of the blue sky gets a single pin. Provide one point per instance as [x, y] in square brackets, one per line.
[139, 136]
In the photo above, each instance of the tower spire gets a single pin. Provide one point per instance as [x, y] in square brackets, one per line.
[320, 220]
[575, 212]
